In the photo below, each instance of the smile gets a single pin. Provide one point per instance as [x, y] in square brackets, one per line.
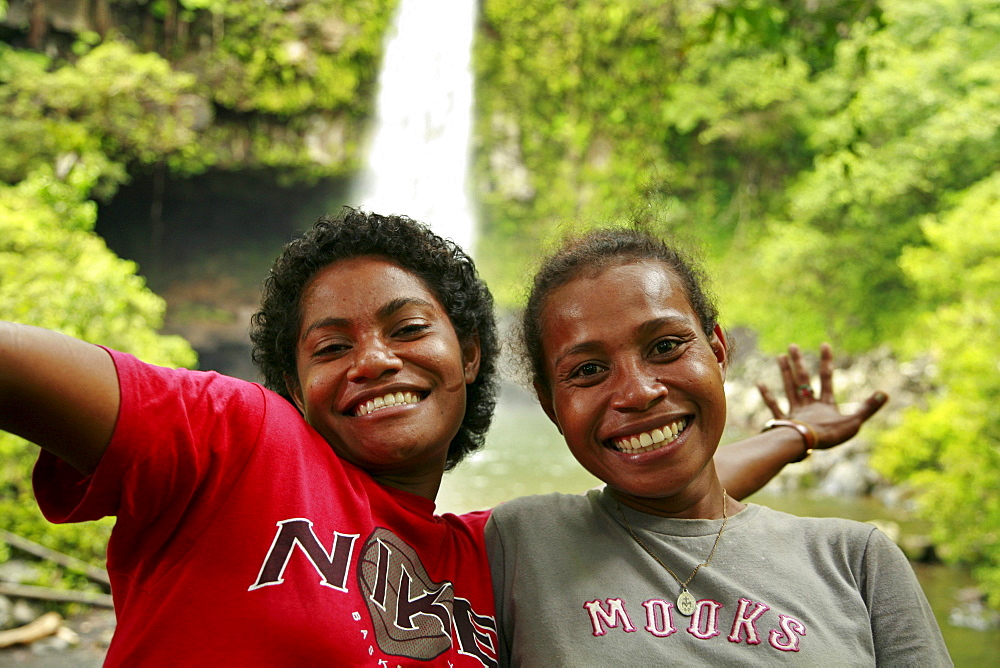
[390, 399]
[651, 440]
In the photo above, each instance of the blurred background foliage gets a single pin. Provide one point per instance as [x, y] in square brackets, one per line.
[836, 159]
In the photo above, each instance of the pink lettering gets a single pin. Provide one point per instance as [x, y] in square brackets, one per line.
[612, 617]
[705, 620]
[745, 622]
[659, 620]
[787, 640]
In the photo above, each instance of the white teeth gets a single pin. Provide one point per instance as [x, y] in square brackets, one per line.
[390, 399]
[651, 440]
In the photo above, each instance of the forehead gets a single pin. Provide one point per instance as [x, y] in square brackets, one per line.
[616, 298]
[363, 284]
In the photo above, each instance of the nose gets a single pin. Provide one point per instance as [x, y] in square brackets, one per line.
[636, 388]
[373, 359]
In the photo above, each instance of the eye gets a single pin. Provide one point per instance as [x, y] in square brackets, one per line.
[411, 330]
[587, 369]
[330, 349]
[665, 346]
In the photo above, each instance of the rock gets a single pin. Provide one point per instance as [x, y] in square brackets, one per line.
[195, 111]
[6, 613]
[849, 477]
[19, 571]
[69, 16]
[972, 611]
[325, 139]
[919, 548]
[51, 645]
[334, 33]
[24, 613]
[889, 528]
[510, 175]
[296, 51]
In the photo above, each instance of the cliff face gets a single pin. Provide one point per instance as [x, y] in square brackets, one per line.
[41, 22]
[278, 85]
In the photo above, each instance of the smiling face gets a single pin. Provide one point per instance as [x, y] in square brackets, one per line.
[635, 384]
[381, 374]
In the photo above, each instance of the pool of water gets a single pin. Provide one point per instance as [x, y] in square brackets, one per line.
[526, 455]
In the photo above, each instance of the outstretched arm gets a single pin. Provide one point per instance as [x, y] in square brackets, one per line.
[58, 392]
[746, 466]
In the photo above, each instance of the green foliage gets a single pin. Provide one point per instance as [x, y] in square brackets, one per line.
[113, 107]
[276, 61]
[239, 84]
[908, 116]
[839, 159]
[56, 273]
[949, 450]
[286, 78]
[605, 107]
[262, 81]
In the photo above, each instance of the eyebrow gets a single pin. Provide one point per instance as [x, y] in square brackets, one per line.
[384, 311]
[651, 325]
[645, 328]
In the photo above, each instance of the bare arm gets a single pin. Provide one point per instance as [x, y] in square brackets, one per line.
[58, 392]
[746, 466]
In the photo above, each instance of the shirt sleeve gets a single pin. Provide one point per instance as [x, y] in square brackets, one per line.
[904, 629]
[495, 551]
[179, 434]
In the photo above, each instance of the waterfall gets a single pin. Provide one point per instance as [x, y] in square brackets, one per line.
[419, 155]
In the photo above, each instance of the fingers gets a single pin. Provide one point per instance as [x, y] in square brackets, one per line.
[770, 401]
[802, 388]
[871, 406]
[787, 378]
[826, 373]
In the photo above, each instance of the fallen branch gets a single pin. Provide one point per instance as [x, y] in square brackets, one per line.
[46, 625]
[94, 573]
[60, 595]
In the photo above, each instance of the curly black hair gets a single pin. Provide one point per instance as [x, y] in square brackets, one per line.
[447, 271]
[590, 254]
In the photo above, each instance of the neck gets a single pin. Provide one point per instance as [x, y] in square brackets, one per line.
[424, 484]
[705, 502]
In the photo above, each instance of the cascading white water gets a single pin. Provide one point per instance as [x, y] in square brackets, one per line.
[419, 156]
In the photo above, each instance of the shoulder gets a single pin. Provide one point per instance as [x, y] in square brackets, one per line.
[834, 533]
[546, 515]
[149, 384]
[821, 525]
[549, 504]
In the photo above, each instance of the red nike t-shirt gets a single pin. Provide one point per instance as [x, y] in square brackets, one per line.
[242, 538]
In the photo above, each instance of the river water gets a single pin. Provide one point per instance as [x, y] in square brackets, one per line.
[524, 455]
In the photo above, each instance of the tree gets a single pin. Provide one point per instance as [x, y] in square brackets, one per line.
[908, 116]
[56, 273]
[949, 450]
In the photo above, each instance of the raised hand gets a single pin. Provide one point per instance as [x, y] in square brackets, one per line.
[820, 413]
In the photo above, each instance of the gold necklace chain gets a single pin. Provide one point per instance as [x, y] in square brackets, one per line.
[685, 601]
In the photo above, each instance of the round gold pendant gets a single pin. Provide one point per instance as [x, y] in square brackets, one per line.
[685, 603]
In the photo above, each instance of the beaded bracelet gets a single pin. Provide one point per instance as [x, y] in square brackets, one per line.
[806, 431]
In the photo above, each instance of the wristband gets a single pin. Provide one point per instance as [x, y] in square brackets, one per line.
[807, 433]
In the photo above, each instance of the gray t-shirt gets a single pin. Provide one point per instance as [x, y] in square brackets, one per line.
[572, 588]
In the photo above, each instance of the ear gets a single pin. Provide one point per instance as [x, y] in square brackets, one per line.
[720, 348]
[471, 352]
[545, 400]
[295, 390]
